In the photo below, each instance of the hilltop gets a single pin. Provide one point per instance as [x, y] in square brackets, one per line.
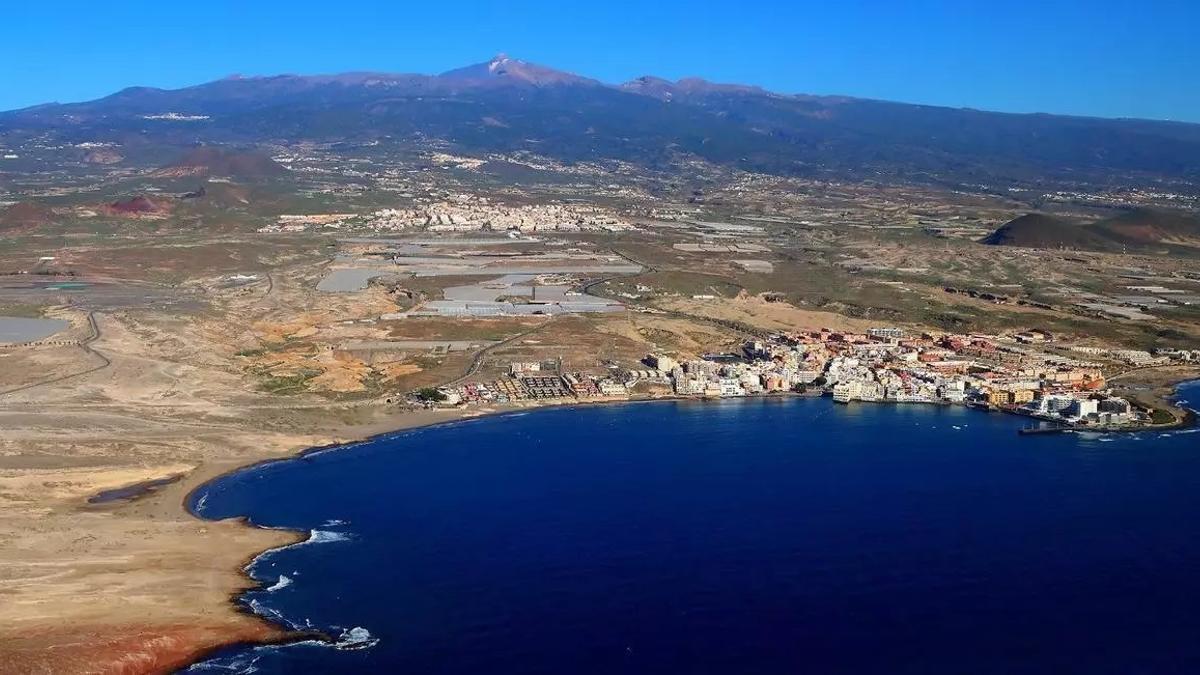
[504, 70]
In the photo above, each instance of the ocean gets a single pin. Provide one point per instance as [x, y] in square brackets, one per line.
[755, 536]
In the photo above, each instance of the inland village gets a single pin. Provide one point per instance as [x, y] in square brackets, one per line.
[787, 337]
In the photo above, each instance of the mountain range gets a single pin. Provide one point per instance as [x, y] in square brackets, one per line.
[507, 105]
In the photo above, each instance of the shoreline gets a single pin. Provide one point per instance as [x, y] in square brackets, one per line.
[283, 635]
[280, 634]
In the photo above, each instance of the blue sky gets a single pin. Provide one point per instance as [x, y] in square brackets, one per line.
[1111, 58]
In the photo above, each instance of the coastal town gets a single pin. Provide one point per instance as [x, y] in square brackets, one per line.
[1023, 374]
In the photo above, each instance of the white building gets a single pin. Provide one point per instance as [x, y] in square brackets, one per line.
[1083, 407]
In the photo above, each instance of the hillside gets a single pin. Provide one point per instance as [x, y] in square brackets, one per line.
[1037, 230]
[24, 217]
[1146, 227]
[138, 205]
[507, 105]
[209, 161]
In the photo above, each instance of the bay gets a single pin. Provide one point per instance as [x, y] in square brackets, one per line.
[744, 536]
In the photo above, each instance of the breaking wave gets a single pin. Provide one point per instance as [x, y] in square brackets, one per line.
[272, 614]
[1178, 432]
[323, 537]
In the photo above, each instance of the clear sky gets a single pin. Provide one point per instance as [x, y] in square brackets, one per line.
[1111, 58]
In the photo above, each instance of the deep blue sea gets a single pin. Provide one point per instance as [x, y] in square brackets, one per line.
[746, 537]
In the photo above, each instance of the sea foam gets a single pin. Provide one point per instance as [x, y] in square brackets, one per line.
[356, 638]
[283, 582]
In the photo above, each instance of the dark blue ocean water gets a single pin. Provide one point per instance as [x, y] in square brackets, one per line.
[747, 537]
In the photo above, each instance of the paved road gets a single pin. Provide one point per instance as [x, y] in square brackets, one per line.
[477, 361]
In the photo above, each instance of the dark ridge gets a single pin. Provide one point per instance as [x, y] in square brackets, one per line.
[1038, 230]
[1136, 229]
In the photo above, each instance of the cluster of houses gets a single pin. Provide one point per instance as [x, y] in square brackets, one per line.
[996, 372]
[463, 213]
